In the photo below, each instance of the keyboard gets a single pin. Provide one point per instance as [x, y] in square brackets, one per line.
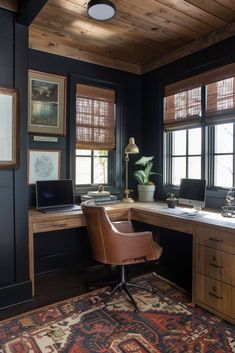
[60, 209]
[181, 212]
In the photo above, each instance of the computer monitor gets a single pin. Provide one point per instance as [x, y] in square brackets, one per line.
[54, 193]
[192, 192]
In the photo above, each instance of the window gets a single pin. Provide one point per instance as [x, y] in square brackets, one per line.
[95, 134]
[200, 129]
[92, 167]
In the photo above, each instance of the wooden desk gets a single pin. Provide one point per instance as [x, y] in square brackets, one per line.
[213, 246]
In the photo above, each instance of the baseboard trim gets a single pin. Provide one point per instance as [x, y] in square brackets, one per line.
[16, 293]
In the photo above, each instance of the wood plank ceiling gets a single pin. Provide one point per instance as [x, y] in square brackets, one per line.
[144, 34]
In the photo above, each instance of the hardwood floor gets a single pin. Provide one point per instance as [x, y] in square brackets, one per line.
[67, 283]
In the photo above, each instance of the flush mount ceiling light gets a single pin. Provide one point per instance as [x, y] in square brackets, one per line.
[101, 10]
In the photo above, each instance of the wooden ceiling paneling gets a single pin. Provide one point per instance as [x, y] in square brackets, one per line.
[9, 5]
[143, 35]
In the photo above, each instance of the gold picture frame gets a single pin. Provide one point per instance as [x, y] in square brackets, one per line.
[43, 165]
[47, 103]
[9, 128]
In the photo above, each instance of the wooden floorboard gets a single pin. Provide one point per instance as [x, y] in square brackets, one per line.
[67, 283]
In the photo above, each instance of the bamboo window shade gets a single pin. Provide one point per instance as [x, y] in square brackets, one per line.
[183, 110]
[220, 101]
[95, 122]
[183, 102]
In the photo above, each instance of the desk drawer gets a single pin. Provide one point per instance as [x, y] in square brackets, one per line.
[216, 264]
[215, 294]
[163, 221]
[215, 238]
[60, 224]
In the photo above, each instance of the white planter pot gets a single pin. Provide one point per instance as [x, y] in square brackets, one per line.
[146, 193]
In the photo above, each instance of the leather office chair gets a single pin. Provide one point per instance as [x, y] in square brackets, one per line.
[116, 243]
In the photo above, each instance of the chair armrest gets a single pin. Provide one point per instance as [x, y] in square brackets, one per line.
[134, 247]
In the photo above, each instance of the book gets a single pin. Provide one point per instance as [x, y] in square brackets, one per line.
[98, 193]
[99, 199]
[106, 202]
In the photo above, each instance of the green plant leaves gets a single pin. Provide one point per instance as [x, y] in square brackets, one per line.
[144, 160]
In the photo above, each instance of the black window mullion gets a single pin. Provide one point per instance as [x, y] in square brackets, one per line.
[92, 166]
[233, 154]
[187, 155]
[203, 134]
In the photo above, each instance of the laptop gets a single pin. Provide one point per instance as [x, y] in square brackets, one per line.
[55, 196]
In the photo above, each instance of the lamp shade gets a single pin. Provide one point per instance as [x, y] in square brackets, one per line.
[132, 148]
[101, 10]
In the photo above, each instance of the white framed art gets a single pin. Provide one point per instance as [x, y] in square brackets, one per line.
[43, 165]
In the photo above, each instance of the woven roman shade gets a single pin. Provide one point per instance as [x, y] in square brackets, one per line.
[220, 101]
[182, 110]
[183, 99]
[95, 123]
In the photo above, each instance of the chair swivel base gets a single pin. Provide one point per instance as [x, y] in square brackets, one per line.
[124, 285]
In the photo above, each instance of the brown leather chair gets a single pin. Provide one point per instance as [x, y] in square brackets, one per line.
[116, 243]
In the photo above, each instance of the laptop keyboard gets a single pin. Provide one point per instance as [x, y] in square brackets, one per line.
[61, 209]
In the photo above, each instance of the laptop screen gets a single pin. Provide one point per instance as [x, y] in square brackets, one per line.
[51, 193]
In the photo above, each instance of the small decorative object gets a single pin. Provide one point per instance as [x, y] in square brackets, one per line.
[171, 200]
[43, 165]
[9, 128]
[229, 209]
[131, 148]
[46, 103]
[146, 187]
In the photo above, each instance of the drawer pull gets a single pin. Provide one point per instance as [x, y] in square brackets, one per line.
[217, 240]
[215, 296]
[216, 266]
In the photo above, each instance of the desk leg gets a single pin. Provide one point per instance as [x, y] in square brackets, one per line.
[31, 257]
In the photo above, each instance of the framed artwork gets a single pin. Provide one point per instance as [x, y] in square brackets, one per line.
[47, 103]
[9, 128]
[43, 165]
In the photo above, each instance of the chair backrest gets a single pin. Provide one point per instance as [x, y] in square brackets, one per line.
[100, 229]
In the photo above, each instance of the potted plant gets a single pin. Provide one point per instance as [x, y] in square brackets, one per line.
[146, 187]
[171, 200]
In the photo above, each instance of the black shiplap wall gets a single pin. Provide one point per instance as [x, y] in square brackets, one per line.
[53, 250]
[14, 284]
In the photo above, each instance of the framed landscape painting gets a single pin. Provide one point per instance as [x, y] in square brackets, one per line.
[47, 103]
[43, 165]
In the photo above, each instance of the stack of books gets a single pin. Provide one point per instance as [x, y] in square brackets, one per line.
[100, 198]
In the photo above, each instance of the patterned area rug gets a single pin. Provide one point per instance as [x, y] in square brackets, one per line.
[168, 322]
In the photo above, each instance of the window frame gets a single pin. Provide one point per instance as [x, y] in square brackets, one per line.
[92, 158]
[217, 193]
[115, 163]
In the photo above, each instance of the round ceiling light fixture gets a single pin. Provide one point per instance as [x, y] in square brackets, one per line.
[101, 10]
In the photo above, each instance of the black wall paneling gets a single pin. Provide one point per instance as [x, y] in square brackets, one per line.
[14, 283]
[128, 111]
[7, 255]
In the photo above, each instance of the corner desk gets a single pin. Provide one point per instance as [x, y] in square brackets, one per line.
[213, 270]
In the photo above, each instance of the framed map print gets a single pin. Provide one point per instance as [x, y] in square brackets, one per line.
[43, 165]
[47, 103]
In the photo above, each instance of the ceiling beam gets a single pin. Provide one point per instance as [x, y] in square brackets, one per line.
[55, 44]
[194, 46]
[28, 10]
[9, 5]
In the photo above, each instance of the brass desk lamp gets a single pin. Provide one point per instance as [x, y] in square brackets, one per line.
[131, 148]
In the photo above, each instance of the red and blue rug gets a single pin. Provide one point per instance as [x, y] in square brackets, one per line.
[167, 323]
